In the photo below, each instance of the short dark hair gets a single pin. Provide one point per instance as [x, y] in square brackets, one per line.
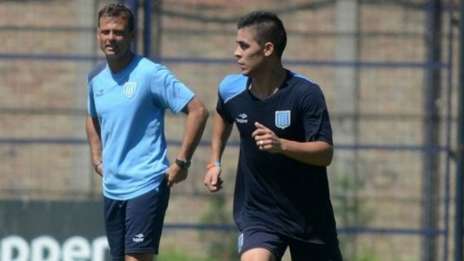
[269, 28]
[117, 10]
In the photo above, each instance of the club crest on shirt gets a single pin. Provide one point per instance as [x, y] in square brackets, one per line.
[129, 89]
[282, 119]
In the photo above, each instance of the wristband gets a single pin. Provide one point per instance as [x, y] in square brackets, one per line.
[216, 164]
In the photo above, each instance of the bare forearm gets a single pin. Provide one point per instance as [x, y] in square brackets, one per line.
[221, 133]
[317, 153]
[194, 127]
[93, 137]
[92, 128]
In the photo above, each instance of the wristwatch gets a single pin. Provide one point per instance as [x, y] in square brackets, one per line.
[183, 163]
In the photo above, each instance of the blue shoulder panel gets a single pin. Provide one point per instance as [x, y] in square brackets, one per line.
[302, 77]
[232, 85]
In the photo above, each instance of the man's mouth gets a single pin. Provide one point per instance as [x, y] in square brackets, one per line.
[110, 47]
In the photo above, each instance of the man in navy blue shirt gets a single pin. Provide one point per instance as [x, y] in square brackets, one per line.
[281, 194]
[127, 99]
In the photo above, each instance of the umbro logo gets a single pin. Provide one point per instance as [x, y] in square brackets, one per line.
[99, 92]
[138, 238]
[242, 118]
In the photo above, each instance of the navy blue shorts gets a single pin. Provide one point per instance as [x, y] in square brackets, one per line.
[134, 226]
[277, 244]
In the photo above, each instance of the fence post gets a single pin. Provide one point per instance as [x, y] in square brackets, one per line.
[158, 33]
[430, 184]
[134, 7]
[347, 84]
[458, 224]
[147, 28]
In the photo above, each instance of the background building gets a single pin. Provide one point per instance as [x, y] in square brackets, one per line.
[388, 70]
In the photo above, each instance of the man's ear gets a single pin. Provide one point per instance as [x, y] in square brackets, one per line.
[268, 49]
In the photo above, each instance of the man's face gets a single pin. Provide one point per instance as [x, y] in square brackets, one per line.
[249, 53]
[114, 37]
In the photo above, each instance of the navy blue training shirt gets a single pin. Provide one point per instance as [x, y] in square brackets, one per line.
[274, 191]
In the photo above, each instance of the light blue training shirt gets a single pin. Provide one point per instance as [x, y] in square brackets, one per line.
[130, 107]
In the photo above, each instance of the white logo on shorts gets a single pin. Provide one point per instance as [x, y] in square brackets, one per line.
[240, 243]
[138, 238]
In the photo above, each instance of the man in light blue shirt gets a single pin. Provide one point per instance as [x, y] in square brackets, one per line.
[127, 98]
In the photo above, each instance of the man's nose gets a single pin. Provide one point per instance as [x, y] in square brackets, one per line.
[237, 53]
[111, 35]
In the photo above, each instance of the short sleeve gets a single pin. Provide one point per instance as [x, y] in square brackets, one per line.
[231, 86]
[221, 110]
[91, 102]
[316, 119]
[91, 108]
[168, 91]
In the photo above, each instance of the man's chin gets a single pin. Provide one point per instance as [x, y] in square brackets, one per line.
[244, 72]
[111, 56]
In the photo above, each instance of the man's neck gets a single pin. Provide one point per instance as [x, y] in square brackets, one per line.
[118, 64]
[268, 82]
